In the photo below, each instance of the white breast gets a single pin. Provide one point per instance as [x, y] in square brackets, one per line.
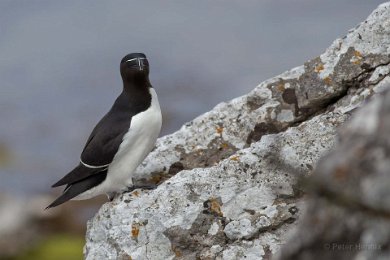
[137, 143]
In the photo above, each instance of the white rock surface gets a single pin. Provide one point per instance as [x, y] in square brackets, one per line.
[230, 186]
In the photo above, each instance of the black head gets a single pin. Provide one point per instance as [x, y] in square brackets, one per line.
[134, 68]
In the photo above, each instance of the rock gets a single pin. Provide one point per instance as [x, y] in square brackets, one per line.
[348, 214]
[229, 180]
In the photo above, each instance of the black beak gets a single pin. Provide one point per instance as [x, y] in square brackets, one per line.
[141, 63]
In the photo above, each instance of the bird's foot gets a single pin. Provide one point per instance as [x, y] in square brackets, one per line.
[111, 195]
[143, 186]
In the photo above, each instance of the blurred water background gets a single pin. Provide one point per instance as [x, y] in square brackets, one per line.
[59, 66]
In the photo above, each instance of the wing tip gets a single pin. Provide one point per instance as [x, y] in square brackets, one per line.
[50, 206]
[60, 200]
[74, 189]
[58, 183]
[65, 180]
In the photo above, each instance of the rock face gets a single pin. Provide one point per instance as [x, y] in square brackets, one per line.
[348, 214]
[229, 180]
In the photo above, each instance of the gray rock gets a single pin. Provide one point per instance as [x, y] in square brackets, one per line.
[230, 178]
[348, 214]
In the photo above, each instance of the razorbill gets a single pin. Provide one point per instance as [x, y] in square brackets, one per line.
[120, 141]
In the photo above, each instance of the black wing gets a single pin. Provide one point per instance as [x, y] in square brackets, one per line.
[104, 141]
[102, 144]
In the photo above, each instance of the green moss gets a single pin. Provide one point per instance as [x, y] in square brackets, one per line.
[58, 247]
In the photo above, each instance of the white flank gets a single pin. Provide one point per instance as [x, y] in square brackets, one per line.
[137, 143]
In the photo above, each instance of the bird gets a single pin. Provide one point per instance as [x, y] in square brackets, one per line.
[120, 141]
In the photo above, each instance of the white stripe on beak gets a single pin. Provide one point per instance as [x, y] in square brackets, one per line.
[139, 62]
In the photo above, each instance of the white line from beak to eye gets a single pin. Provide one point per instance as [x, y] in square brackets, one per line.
[136, 59]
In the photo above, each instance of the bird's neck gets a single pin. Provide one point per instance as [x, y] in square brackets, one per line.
[134, 88]
[135, 84]
[136, 94]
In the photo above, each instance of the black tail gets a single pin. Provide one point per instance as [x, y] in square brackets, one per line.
[72, 190]
[77, 174]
